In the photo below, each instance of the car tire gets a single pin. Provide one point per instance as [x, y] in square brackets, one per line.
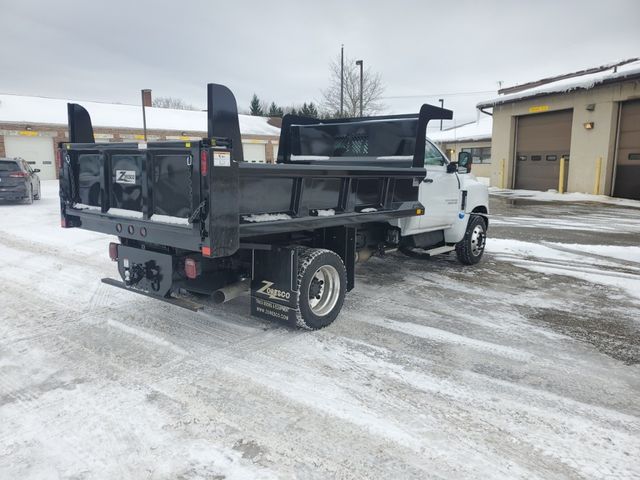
[29, 199]
[322, 286]
[38, 195]
[471, 248]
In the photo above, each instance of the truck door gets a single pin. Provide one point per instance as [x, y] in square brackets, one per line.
[439, 192]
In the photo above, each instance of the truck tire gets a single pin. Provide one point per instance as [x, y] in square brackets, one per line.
[470, 249]
[322, 286]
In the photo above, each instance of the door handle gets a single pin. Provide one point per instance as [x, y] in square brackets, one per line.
[428, 180]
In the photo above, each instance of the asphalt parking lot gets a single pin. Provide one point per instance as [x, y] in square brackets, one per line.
[524, 366]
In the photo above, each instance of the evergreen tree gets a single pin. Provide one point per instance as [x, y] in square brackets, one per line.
[275, 111]
[255, 107]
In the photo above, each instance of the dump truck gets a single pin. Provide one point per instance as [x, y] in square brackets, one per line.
[194, 219]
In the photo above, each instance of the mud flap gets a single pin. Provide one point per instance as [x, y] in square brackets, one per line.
[274, 293]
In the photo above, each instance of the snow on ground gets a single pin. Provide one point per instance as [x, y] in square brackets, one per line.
[554, 196]
[514, 368]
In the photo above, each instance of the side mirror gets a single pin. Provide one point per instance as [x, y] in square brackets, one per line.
[465, 160]
[452, 167]
[36, 170]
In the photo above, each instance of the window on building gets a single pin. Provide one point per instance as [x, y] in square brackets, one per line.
[479, 154]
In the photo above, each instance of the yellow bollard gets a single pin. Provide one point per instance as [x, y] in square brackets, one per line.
[502, 174]
[596, 186]
[561, 178]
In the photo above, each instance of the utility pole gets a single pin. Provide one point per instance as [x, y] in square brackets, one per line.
[144, 114]
[441, 100]
[342, 80]
[361, 63]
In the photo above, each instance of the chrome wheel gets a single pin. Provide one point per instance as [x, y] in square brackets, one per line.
[324, 290]
[477, 240]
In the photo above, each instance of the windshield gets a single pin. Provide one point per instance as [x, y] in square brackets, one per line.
[8, 166]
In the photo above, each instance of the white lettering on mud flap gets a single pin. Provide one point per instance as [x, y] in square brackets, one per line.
[221, 159]
[273, 293]
[126, 176]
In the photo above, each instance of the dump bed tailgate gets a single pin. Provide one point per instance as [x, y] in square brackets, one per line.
[142, 191]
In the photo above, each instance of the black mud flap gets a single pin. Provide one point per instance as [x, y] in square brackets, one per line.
[274, 294]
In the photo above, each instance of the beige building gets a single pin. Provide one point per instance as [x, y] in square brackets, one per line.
[585, 124]
[32, 127]
[474, 137]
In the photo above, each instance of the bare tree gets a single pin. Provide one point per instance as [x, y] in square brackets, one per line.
[172, 102]
[372, 90]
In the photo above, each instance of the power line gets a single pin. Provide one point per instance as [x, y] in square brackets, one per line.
[449, 94]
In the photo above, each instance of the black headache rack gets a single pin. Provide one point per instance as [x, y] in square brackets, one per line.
[201, 196]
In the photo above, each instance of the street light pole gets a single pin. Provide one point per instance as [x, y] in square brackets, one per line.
[361, 63]
[441, 100]
[342, 80]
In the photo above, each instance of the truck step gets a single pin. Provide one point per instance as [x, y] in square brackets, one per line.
[178, 302]
[439, 250]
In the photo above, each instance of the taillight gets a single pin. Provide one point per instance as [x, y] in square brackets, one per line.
[19, 174]
[113, 251]
[190, 268]
[206, 251]
[204, 164]
[59, 158]
[63, 222]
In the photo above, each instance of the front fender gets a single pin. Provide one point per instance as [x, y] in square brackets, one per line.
[477, 202]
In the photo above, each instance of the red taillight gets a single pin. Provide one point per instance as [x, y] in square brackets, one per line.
[204, 164]
[59, 158]
[206, 251]
[190, 268]
[113, 251]
[63, 222]
[19, 174]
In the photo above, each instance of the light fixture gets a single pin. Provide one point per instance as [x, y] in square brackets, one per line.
[588, 125]
[591, 107]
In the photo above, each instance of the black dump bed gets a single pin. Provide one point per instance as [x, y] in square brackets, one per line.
[201, 196]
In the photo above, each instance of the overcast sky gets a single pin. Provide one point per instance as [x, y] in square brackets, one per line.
[424, 50]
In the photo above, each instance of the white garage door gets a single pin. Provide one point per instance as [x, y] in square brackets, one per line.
[254, 152]
[275, 151]
[38, 151]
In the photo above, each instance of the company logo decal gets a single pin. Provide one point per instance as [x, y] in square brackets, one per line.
[126, 176]
[273, 293]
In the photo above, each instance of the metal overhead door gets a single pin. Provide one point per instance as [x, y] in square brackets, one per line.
[37, 151]
[254, 152]
[627, 181]
[541, 140]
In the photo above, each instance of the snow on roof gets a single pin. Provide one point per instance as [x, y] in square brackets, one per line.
[480, 130]
[583, 82]
[18, 109]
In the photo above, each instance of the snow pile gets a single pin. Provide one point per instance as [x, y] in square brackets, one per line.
[266, 217]
[121, 212]
[480, 130]
[554, 196]
[82, 206]
[18, 108]
[326, 213]
[168, 219]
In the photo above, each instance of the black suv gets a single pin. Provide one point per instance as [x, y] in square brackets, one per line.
[18, 181]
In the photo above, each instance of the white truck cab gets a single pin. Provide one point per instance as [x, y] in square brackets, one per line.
[456, 210]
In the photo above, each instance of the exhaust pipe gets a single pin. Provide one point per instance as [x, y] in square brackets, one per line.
[231, 291]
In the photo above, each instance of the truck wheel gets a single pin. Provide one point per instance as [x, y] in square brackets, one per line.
[322, 286]
[470, 249]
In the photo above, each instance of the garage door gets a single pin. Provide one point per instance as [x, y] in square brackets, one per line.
[37, 151]
[627, 180]
[254, 152]
[542, 139]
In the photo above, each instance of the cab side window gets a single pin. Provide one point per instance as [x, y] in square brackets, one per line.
[432, 155]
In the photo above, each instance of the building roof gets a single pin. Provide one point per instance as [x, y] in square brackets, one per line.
[469, 132]
[24, 109]
[583, 80]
